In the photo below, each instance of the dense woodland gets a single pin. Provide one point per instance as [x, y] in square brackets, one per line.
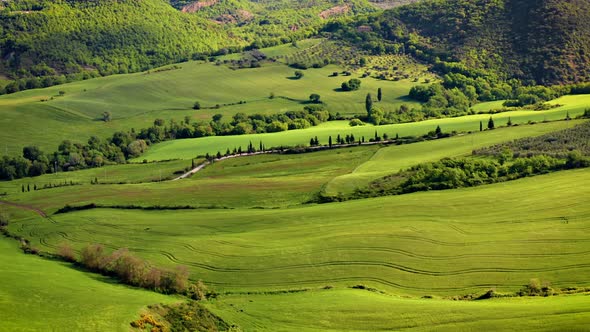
[101, 37]
[538, 42]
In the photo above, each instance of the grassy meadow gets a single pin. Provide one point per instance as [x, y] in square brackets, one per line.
[190, 148]
[465, 243]
[330, 310]
[136, 100]
[42, 295]
[278, 261]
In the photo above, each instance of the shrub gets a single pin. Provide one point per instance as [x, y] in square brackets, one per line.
[66, 252]
[356, 122]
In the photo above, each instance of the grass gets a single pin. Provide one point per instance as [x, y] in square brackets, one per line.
[136, 100]
[359, 310]
[41, 295]
[189, 148]
[125, 173]
[394, 158]
[435, 243]
[257, 181]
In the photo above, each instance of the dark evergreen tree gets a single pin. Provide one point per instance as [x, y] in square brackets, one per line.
[330, 141]
[491, 123]
[379, 94]
[480, 126]
[369, 104]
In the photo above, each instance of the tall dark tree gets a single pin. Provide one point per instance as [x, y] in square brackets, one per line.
[480, 126]
[491, 123]
[330, 141]
[509, 123]
[379, 94]
[369, 104]
[438, 131]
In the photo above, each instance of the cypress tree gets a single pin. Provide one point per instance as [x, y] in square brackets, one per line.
[330, 141]
[491, 123]
[311, 142]
[509, 123]
[480, 126]
[369, 104]
[379, 94]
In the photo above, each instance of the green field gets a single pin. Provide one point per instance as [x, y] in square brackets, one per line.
[394, 158]
[464, 243]
[435, 244]
[136, 100]
[359, 310]
[257, 181]
[42, 295]
[189, 148]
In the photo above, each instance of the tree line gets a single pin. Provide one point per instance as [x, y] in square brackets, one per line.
[125, 145]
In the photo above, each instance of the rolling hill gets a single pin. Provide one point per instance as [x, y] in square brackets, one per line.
[544, 42]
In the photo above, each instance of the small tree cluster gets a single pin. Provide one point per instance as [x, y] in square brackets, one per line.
[352, 85]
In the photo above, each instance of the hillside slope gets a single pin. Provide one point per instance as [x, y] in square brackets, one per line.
[51, 38]
[541, 41]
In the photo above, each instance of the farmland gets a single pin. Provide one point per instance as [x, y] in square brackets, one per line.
[53, 295]
[136, 100]
[279, 235]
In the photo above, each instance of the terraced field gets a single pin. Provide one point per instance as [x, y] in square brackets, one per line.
[464, 243]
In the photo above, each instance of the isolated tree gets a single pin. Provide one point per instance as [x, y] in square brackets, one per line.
[217, 117]
[509, 123]
[491, 123]
[298, 74]
[314, 98]
[438, 131]
[480, 126]
[28, 187]
[567, 116]
[197, 105]
[106, 116]
[330, 141]
[271, 96]
[379, 94]
[312, 142]
[369, 104]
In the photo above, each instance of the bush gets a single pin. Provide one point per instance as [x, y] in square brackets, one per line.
[356, 122]
[66, 252]
[197, 105]
[352, 85]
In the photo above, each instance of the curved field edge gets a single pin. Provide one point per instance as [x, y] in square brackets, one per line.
[190, 148]
[331, 310]
[392, 159]
[37, 294]
[467, 240]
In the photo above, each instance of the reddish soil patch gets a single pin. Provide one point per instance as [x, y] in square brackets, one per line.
[334, 11]
[198, 5]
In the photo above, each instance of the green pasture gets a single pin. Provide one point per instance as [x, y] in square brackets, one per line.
[189, 148]
[136, 100]
[42, 295]
[112, 174]
[442, 243]
[361, 310]
[255, 181]
[394, 158]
